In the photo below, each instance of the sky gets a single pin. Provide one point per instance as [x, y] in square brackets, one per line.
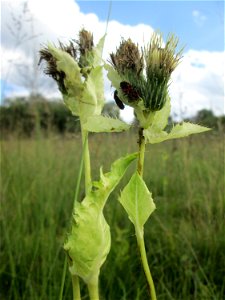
[197, 83]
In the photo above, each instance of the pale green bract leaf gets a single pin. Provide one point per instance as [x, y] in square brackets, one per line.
[89, 240]
[105, 124]
[113, 76]
[161, 117]
[73, 81]
[97, 52]
[92, 100]
[83, 98]
[178, 131]
[137, 201]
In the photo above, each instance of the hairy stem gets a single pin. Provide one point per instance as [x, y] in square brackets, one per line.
[76, 287]
[93, 289]
[140, 235]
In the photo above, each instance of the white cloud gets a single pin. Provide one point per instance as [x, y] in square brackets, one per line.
[199, 18]
[197, 83]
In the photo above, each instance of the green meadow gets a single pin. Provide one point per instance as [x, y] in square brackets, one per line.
[184, 237]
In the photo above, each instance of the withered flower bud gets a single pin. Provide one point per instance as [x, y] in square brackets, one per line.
[85, 45]
[51, 68]
[127, 58]
[70, 49]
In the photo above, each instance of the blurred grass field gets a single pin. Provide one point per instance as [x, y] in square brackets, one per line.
[184, 237]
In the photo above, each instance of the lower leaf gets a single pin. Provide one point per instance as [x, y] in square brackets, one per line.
[137, 201]
[89, 241]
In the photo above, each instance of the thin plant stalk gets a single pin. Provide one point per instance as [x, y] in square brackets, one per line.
[63, 279]
[140, 235]
[141, 246]
[93, 285]
[75, 281]
[87, 163]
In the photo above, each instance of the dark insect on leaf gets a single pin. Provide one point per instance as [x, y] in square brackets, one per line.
[129, 91]
[118, 101]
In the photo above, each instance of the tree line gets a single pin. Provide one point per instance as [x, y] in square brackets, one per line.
[25, 116]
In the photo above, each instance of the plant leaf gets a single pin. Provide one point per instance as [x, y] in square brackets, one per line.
[178, 131]
[105, 124]
[161, 117]
[113, 76]
[89, 241]
[137, 201]
[72, 81]
[97, 52]
[92, 100]
[82, 98]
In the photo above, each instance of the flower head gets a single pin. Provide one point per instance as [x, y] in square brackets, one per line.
[51, 67]
[80, 50]
[75, 67]
[145, 77]
[85, 45]
[127, 58]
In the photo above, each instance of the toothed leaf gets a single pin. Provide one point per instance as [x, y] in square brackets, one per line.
[89, 240]
[153, 136]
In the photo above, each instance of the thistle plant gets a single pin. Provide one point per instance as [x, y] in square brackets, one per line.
[141, 79]
[78, 70]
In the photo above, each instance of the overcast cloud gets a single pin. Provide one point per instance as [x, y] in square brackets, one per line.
[197, 83]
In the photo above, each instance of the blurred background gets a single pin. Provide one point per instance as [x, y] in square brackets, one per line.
[41, 150]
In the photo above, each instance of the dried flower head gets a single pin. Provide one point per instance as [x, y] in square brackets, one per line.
[79, 50]
[127, 58]
[70, 49]
[85, 45]
[85, 42]
[51, 68]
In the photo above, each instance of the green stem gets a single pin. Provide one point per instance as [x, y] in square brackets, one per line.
[141, 154]
[63, 278]
[140, 235]
[76, 287]
[87, 164]
[141, 245]
[93, 289]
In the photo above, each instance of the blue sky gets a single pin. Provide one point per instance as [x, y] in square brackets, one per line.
[199, 24]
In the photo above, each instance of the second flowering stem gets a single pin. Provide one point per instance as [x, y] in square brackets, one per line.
[140, 233]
